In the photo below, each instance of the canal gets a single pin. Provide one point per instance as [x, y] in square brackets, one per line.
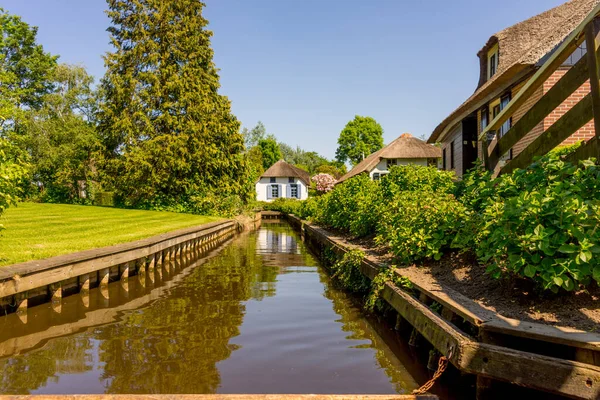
[256, 315]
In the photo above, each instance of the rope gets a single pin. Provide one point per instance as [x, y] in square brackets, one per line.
[442, 365]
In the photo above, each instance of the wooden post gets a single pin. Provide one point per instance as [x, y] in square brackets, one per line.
[593, 64]
[21, 302]
[141, 264]
[84, 283]
[56, 292]
[104, 277]
[124, 270]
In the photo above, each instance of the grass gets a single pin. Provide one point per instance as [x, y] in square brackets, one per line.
[35, 231]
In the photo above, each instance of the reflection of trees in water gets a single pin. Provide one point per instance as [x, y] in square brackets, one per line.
[30, 371]
[171, 346]
[354, 322]
[174, 345]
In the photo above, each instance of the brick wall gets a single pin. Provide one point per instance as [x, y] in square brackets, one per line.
[587, 131]
[539, 128]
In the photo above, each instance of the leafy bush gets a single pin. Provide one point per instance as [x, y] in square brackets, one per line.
[420, 225]
[323, 182]
[352, 206]
[286, 206]
[13, 171]
[374, 300]
[416, 178]
[542, 224]
[347, 272]
[104, 199]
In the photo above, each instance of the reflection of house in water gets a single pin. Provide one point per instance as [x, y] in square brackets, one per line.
[272, 241]
[279, 248]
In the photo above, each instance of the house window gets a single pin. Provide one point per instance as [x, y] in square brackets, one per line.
[274, 191]
[273, 180]
[391, 162]
[376, 176]
[493, 59]
[444, 159]
[291, 180]
[294, 191]
[506, 125]
[452, 155]
[485, 116]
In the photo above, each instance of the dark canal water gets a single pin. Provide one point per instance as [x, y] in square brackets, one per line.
[259, 315]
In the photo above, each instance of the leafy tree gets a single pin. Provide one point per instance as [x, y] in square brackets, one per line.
[24, 69]
[13, 169]
[254, 135]
[270, 151]
[361, 137]
[170, 136]
[61, 139]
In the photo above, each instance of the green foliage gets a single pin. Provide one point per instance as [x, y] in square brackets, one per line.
[352, 206]
[170, 136]
[24, 70]
[104, 199]
[387, 274]
[286, 206]
[13, 170]
[61, 140]
[420, 225]
[416, 178]
[269, 149]
[361, 137]
[541, 223]
[347, 272]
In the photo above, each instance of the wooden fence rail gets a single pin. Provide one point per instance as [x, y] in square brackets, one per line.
[495, 147]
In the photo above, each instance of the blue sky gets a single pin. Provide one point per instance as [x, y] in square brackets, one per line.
[306, 67]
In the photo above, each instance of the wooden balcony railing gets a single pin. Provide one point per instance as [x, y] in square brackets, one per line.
[588, 108]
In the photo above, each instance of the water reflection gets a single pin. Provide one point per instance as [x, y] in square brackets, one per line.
[259, 317]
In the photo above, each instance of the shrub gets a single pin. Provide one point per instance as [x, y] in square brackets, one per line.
[416, 178]
[352, 206]
[542, 224]
[104, 199]
[419, 225]
[387, 274]
[286, 206]
[347, 272]
[324, 183]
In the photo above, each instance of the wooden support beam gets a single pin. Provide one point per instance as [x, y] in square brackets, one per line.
[587, 150]
[104, 277]
[124, 271]
[570, 122]
[571, 81]
[84, 283]
[56, 292]
[593, 65]
[556, 60]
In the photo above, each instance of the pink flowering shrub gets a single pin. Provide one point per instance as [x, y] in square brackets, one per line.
[324, 182]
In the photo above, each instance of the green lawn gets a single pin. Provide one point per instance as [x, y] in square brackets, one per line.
[35, 231]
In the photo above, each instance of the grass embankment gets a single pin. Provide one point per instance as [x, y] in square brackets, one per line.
[36, 231]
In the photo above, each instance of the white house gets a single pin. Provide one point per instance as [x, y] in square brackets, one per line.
[283, 180]
[406, 149]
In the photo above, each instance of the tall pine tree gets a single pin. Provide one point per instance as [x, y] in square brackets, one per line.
[170, 136]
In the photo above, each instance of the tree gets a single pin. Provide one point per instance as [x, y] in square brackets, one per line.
[270, 151]
[170, 136]
[254, 135]
[24, 70]
[13, 170]
[61, 138]
[361, 137]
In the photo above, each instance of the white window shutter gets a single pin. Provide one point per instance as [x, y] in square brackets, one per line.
[299, 191]
[269, 192]
[288, 191]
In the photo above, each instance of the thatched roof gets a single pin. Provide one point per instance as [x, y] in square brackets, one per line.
[281, 169]
[521, 47]
[404, 147]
